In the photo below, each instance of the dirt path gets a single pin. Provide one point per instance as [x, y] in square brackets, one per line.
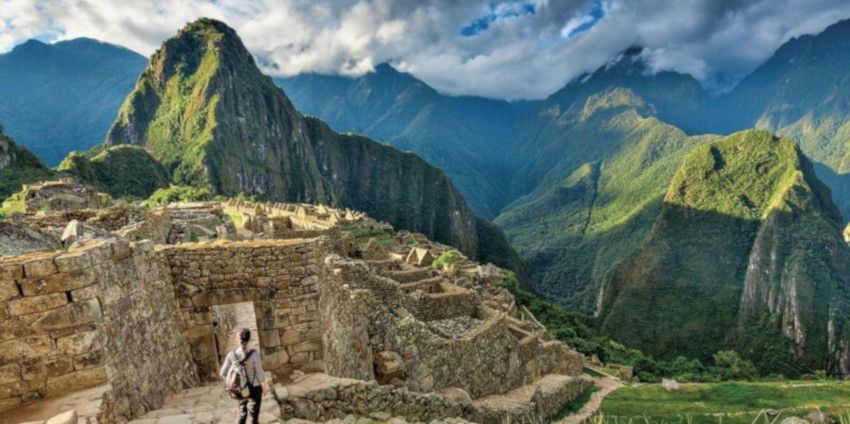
[607, 384]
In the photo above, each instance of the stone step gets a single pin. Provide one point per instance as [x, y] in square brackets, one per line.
[533, 402]
[205, 404]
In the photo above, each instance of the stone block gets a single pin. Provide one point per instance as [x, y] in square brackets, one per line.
[8, 290]
[58, 366]
[41, 286]
[275, 360]
[9, 403]
[31, 305]
[79, 343]
[11, 271]
[72, 314]
[73, 262]
[85, 293]
[16, 350]
[269, 338]
[76, 380]
[10, 373]
[308, 346]
[40, 268]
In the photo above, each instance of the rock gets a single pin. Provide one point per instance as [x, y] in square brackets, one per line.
[388, 366]
[19, 240]
[671, 385]
[77, 231]
[771, 412]
[793, 420]
[456, 394]
[69, 417]
[819, 417]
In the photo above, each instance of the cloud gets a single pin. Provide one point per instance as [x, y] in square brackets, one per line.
[497, 48]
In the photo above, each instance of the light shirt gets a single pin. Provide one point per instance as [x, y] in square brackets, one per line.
[253, 366]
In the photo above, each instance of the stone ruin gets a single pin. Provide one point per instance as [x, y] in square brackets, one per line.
[126, 327]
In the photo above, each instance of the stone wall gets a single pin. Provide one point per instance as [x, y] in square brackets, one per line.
[50, 342]
[280, 277]
[61, 312]
[345, 327]
[148, 357]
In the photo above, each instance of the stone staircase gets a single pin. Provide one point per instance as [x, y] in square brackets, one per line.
[207, 404]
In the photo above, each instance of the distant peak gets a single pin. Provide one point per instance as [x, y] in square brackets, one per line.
[31, 45]
[208, 25]
[632, 51]
[384, 68]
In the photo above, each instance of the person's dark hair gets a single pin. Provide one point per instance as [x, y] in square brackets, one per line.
[245, 335]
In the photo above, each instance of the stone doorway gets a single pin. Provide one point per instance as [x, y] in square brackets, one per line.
[228, 321]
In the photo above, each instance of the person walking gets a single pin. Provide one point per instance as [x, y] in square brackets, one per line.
[254, 376]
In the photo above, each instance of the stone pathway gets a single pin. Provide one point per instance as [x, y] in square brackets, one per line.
[205, 405]
[607, 384]
[85, 402]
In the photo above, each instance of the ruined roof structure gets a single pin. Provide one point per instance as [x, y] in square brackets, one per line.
[133, 327]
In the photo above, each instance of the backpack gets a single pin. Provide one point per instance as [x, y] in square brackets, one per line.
[236, 382]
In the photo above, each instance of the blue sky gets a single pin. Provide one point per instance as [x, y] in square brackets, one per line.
[514, 48]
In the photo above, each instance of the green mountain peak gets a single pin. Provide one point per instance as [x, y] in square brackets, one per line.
[745, 253]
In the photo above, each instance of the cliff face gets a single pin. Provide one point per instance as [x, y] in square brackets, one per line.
[746, 253]
[204, 109]
[18, 167]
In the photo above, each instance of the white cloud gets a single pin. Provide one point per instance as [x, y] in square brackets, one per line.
[514, 54]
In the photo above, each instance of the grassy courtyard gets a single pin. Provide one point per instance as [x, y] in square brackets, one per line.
[727, 402]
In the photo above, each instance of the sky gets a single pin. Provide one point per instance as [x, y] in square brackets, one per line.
[516, 49]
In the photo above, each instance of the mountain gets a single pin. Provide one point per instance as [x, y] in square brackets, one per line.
[465, 136]
[18, 167]
[63, 96]
[597, 202]
[204, 110]
[746, 253]
[119, 171]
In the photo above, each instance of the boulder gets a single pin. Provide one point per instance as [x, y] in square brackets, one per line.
[670, 384]
[18, 240]
[819, 417]
[456, 394]
[77, 231]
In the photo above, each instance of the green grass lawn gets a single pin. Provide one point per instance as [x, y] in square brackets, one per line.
[728, 402]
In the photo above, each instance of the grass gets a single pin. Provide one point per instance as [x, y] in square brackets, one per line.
[727, 402]
[362, 233]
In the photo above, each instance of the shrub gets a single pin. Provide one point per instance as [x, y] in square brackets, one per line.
[448, 259]
[175, 193]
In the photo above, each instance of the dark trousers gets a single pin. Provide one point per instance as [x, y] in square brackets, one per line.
[255, 398]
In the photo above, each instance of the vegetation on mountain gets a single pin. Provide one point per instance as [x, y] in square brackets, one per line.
[120, 171]
[745, 253]
[204, 110]
[18, 167]
[62, 97]
[598, 201]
